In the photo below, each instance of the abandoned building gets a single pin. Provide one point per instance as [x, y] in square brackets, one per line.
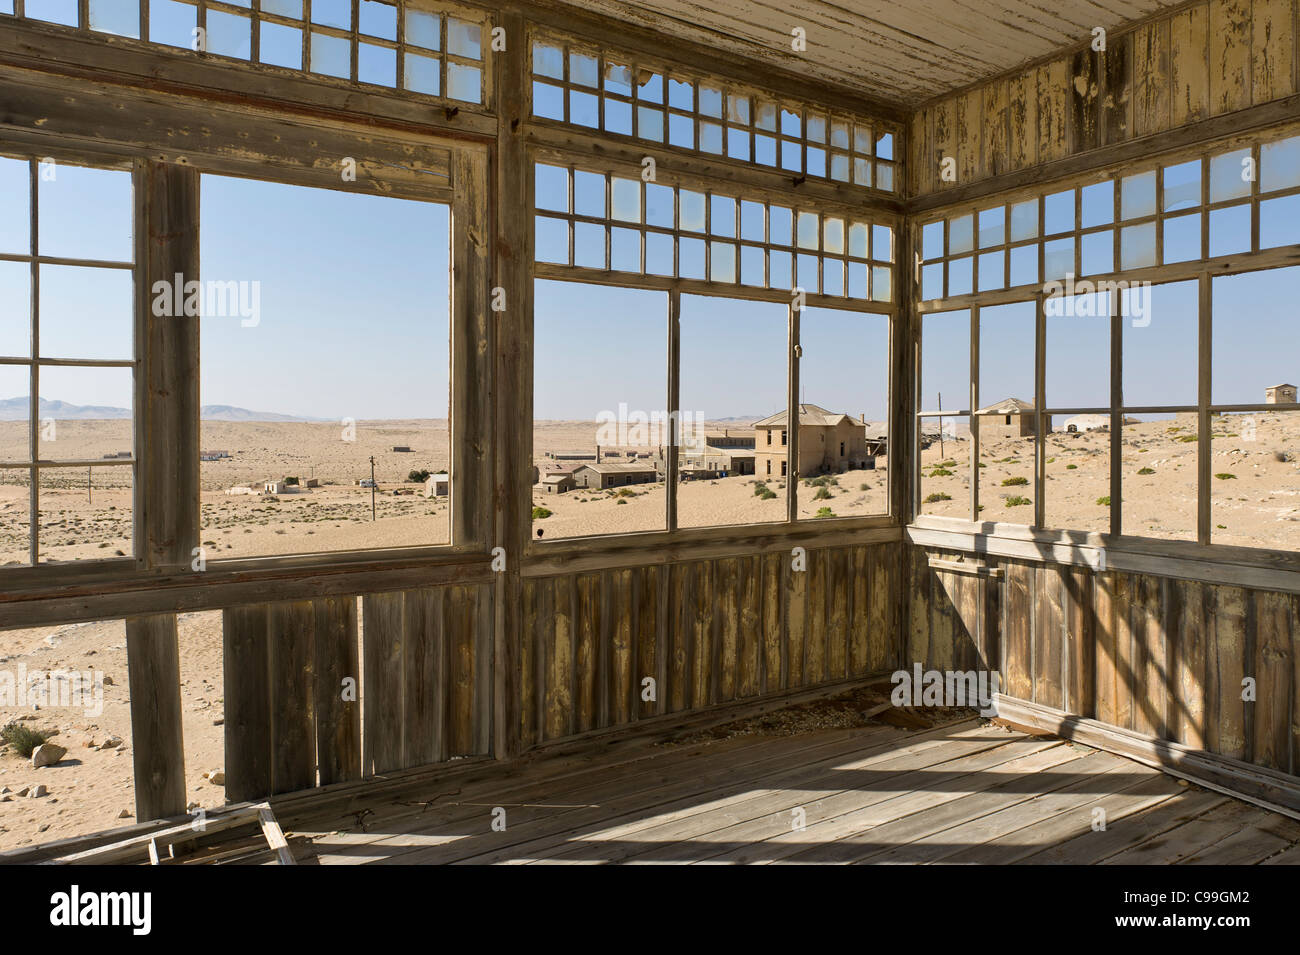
[917, 172]
[1011, 418]
[1280, 395]
[828, 442]
[599, 477]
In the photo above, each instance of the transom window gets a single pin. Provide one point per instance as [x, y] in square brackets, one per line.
[628, 97]
[411, 45]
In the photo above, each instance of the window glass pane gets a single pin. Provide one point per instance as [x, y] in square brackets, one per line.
[551, 189]
[960, 235]
[945, 361]
[945, 467]
[15, 314]
[1024, 220]
[1098, 251]
[1058, 212]
[1229, 176]
[15, 208]
[120, 17]
[1137, 246]
[1279, 164]
[1160, 344]
[843, 432]
[1229, 230]
[1256, 351]
[1078, 351]
[71, 196]
[548, 59]
[301, 400]
[280, 45]
[1077, 490]
[733, 413]
[87, 313]
[1182, 237]
[85, 415]
[1138, 198]
[992, 225]
[1253, 484]
[465, 82]
[1158, 476]
[1097, 204]
[1182, 186]
[1279, 222]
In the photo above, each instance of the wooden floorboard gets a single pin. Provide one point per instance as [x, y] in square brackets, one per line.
[966, 793]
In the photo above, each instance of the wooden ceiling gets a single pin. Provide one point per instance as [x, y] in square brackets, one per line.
[899, 51]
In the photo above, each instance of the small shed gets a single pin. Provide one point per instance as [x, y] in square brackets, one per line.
[1280, 395]
[438, 485]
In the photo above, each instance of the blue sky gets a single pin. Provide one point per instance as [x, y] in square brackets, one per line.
[354, 321]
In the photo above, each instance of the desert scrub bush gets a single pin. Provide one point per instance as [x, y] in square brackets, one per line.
[824, 512]
[759, 489]
[1146, 471]
[1072, 467]
[541, 513]
[864, 487]
[22, 739]
[937, 497]
[1018, 501]
[418, 476]
[822, 494]
[767, 495]
[1225, 476]
[948, 464]
[1015, 481]
[940, 472]
[1103, 501]
[626, 492]
[1188, 438]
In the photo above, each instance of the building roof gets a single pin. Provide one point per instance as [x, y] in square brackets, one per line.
[619, 468]
[1007, 406]
[811, 416]
[555, 477]
[1272, 387]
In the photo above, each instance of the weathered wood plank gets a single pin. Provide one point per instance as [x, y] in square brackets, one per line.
[1049, 625]
[157, 745]
[859, 636]
[1227, 643]
[796, 624]
[381, 689]
[1274, 666]
[293, 714]
[775, 566]
[1017, 631]
[1152, 82]
[1189, 44]
[1230, 55]
[1116, 105]
[587, 625]
[338, 719]
[649, 653]
[622, 681]
[247, 692]
[463, 724]
[1054, 92]
[1022, 107]
[167, 495]
[815, 613]
[423, 673]
[994, 108]
[1107, 660]
[749, 646]
[1273, 49]
[1085, 92]
[727, 628]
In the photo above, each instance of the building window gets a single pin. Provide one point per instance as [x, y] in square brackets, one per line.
[782, 439]
[67, 461]
[783, 467]
[302, 389]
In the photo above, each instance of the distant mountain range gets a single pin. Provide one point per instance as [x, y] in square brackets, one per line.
[15, 409]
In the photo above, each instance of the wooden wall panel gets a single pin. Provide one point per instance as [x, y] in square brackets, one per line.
[710, 632]
[1159, 656]
[1187, 65]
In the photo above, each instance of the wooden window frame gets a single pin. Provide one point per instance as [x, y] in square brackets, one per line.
[1202, 271]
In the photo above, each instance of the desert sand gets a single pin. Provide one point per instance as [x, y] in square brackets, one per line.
[1257, 505]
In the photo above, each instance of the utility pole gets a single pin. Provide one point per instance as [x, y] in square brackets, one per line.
[941, 455]
[372, 487]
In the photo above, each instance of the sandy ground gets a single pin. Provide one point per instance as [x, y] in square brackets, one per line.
[1259, 505]
[90, 788]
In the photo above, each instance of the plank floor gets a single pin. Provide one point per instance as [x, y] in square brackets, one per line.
[967, 793]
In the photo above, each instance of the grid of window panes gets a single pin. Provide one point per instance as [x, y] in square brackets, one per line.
[1225, 203]
[67, 333]
[606, 222]
[398, 44]
[621, 95]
